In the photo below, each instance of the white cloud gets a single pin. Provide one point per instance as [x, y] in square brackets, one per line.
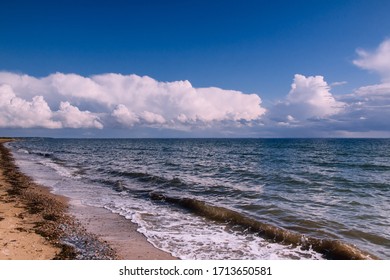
[124, 116]
[72, 117]
[378, 60]
[336, 84]
[379, 91]
[369, 106]
[309, 98]
[129, 100]
[312, 96]
[151, 101]
[150, 117]
[17, 112]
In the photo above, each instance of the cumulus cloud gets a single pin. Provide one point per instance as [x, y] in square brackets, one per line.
[124, 116]
[134, 102]
[309, 98]
[311, 109]
[151, 117]
[72, 117]
[312, 95]
[378, 60]
[17, 112]
[75, 101]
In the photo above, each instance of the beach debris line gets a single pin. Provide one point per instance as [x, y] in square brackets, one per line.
[330, 249]
[53, 222]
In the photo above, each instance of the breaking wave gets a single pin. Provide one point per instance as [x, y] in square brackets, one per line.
[330, 249]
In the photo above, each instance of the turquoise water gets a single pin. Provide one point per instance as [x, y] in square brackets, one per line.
[335, 189]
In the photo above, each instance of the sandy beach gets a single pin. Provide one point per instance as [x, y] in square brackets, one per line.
[37, 224]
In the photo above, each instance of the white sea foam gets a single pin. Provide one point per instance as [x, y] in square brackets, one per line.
[23, 151]
[191, 237]
[61, 170]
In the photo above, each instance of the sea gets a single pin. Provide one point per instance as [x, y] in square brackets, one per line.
[228, 198]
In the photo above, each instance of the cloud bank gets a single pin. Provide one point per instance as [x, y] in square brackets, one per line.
[73, 101]
[127, 102]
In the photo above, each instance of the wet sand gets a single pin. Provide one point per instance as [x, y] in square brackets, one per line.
[36, 224]
[127, 242]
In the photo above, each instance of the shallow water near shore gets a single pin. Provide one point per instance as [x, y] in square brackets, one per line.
[315, 188]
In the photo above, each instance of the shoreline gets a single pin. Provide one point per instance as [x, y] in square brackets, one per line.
[37, 224]
[126, 241]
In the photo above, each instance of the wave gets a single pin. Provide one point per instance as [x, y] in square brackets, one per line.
[44, 154]
[49, 159]
[23, 151]
[330, 249]
[145, 177]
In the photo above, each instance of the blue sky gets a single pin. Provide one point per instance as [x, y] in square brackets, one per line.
[227, 50]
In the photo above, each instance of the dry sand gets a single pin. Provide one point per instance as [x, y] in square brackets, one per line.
[36, 224]
[18, 240]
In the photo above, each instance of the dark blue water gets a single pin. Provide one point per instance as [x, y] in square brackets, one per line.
[323, 188]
